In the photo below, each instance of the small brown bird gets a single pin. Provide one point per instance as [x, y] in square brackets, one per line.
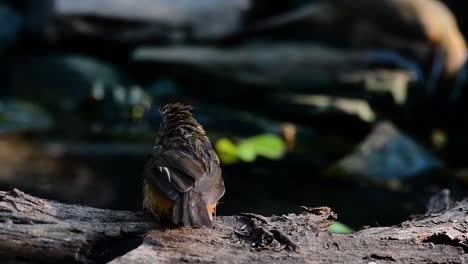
[182, 174]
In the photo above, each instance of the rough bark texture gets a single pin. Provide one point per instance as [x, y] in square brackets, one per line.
[33, 229]
[293, 238]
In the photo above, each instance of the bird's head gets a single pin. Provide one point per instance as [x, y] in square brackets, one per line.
[175, 111]
[178, 122]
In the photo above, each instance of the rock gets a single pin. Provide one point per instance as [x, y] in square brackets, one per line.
[61, 81]
[170, 19]
[387, 155]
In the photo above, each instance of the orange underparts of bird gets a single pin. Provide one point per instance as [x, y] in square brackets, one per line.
[182, 174]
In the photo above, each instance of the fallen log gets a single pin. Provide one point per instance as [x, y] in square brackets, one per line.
[33, 229]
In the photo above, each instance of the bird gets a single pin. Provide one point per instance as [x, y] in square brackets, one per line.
[182, 175]
[411, 26]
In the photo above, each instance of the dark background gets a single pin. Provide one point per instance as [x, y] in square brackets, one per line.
[79, 104]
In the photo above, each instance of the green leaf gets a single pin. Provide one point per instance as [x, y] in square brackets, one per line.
[268, 146]
[339, 228]
[227, 151]
[246, 153]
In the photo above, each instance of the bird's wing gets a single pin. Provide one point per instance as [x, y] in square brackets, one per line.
[212, 185]
[184, 163]
[173, 172]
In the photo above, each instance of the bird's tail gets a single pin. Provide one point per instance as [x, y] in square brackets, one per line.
[191, 210]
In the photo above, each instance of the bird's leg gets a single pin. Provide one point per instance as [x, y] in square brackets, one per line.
[435, 73]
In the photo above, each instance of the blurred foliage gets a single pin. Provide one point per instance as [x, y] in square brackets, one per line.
[247, 150]
[85, 95]
[339, 228]
[439, 138]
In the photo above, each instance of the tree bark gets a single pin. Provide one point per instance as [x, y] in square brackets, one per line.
[34, 229]
[38, 230]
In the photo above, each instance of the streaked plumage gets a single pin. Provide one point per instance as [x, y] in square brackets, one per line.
[182, 173]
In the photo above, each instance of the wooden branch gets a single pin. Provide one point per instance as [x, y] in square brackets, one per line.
[33, 229]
